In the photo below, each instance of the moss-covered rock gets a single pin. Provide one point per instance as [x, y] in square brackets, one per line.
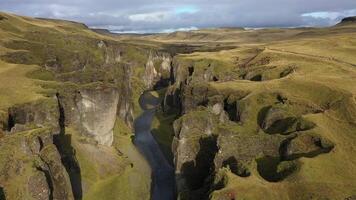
[31, 167]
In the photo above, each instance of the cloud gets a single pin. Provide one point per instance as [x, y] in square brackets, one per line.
[150, 17]
[326, 17]
[162, 15]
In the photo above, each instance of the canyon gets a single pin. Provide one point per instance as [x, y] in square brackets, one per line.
[218, 114]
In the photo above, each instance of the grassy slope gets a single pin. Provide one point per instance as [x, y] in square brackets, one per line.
[11, 91]
[14, 28]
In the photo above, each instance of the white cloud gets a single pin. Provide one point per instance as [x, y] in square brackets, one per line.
[323, 15]
[171, 30]
[150, 17]
[61, 11]
[163, 15]
[326, 17]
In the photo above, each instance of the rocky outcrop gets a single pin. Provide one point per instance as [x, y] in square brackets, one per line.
[157, 70]
[93, 110]
[172, 99]
[59, 181]
[150, 73]
[96, 113]
[31, 167]
[35, 114]
[248, 149]
[112, 53]
[305, 145]
[166, 64]
[276, 120]
[125, 102]
[194, 147]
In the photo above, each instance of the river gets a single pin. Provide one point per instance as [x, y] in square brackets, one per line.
[163, 181]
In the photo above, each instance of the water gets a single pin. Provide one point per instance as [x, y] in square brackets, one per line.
[163, 182]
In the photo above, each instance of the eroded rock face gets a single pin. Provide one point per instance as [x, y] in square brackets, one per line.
[32, 166]
[194, 147]
[166, 63]
[55, 171]
[112, 53]
[306, 145]
[125, 104]
[172, 99]
[27, 116]
[249, 147]
[39, 187]
[275, 120]
[157, 71]
[97, 110]
[150, 73]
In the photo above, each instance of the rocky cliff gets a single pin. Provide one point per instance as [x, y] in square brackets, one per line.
[95, 113]
[157, 70]
[31, 167]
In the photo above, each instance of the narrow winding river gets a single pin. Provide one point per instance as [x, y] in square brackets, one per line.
[163, 183]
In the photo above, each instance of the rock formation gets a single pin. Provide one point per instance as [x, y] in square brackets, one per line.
[97, 110]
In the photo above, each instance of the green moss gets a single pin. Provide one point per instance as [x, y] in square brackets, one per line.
[127, 185]
[41, 74]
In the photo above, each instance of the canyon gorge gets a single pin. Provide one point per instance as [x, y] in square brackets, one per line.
[220, 114]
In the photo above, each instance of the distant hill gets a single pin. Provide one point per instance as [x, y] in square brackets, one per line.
[348, 20]
[102, 31]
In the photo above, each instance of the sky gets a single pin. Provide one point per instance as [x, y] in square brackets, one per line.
[147, 16]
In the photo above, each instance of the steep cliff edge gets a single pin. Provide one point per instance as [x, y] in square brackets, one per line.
[96, 111]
